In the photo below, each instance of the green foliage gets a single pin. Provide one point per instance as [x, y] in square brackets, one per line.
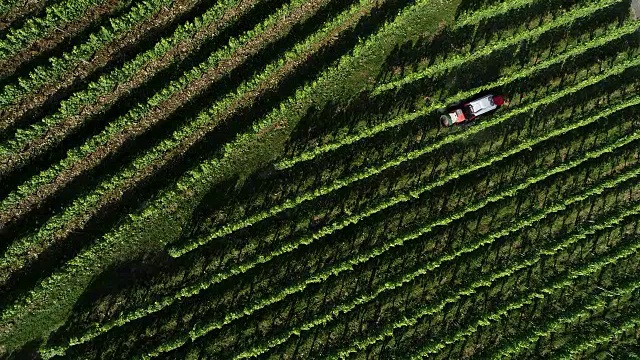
[574, 51]
[524, 35]
[18, 39]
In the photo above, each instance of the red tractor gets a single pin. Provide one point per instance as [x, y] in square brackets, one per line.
[471, 110]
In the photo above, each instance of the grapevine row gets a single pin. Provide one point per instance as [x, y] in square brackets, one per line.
[628, 325]
[81, 60]
[37, 35]
[36, 28]
[399, 242]
[407, 322]
[202, 330]
[488, 12]
[94, 258]
[436, 263]
[348, 18]
[585, 270]
[27, 247]
[119, 130]
[556, 325]
[81, 105]
[581, 48]
[518, 226]
[17, 251]
[177, 251]
[454, 60]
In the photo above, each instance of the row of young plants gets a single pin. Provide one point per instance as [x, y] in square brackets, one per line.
[350, 264]
[21, 250]
[32, 90]
[598, 303]
[372, 171]
[517, 226]
[34, 29]
[349, 18]
[628, 325]
[75, 111]
[70, 280]
[453, 60]
[573, 51]
[138, 119]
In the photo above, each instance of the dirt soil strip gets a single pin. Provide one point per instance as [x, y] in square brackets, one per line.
[101, 58]
[58, 132]
[161, 111]
[55, 38]
[24, 9]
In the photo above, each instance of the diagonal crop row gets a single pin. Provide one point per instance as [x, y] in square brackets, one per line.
[493, 10]
[388, 331]
[200, 330]
[143, 116]
[577, 50]
[571, 240]
[397, 242]
[219, 277]
[518, 225]
[559, 324]
[63, 15]
[340, 183]
[31, 91]
[454, 60]
[143, 166]
[598, 303]
[567, 280]
[87, 260]
[629, 324]
[320, 39]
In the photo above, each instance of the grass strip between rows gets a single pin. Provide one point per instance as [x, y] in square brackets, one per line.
[179, 250]
[579, 49]
[436, 263]
[525, 35]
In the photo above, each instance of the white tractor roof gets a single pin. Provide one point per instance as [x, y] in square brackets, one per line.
[482, 105]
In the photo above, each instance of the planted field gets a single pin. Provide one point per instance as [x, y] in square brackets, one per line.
[237, 179]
